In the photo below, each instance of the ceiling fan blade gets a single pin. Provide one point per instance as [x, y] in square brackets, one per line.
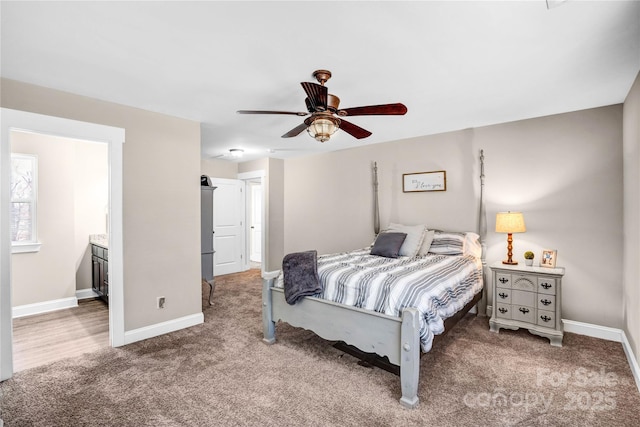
[301, 114]
[295, 131]
[353, 130]
[375, 110]
[317, 95]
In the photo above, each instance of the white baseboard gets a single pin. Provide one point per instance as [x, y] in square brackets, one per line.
[633, 362]
[85, 294]
[53, 305]
[162, 328]
[129, 336]
[44, 307]
[604, 333]
[610, 334]
[591, 330]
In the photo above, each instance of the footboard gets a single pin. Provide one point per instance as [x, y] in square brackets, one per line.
[371, 332]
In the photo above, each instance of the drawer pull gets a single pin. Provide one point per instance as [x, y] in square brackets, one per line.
[503, 280]
[503, 295]
[523, 310]
[545, 285]
[545, 301]
[502, 310]
[545, 318]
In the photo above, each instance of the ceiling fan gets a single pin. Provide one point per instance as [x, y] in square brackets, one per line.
[323, 108]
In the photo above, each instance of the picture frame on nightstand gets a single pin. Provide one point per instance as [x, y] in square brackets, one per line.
[548, 258]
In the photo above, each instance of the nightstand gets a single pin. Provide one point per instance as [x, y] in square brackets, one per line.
[529, 298]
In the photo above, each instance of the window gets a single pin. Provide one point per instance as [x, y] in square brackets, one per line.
[24, 196]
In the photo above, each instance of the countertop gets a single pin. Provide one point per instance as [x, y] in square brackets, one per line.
[99, 240]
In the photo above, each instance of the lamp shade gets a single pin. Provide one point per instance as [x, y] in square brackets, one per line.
[510, 222]
[322, 128]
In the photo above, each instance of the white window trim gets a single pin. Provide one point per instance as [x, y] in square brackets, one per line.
[31, 245]
[23, 248]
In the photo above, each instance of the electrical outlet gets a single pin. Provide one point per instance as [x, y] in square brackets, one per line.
[160, 302]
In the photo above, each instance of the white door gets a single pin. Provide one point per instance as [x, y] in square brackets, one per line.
[228, 217]
[255, 236]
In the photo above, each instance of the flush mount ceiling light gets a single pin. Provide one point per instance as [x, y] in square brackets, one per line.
[322, 107]
[236, 153]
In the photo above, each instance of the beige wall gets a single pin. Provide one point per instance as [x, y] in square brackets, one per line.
[631, 290]
[50, 273]
[275, 207]
[91, 199]
[161, 199]
[564, 172]
[219, 168]
[72, 196]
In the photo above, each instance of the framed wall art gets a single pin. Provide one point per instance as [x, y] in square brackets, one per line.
[424, 181]
[549, 258]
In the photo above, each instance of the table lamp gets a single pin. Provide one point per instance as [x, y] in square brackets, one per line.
[510, 222]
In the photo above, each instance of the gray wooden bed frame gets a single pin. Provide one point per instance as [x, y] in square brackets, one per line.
[397, 338]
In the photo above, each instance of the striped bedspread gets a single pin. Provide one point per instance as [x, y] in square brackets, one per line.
[437, 286]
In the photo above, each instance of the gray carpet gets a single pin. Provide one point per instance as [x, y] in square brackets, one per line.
[221, 374]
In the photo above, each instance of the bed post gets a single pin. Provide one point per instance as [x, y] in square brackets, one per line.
[482, 231]
[409, 357]
[268, 325]
[376, 204]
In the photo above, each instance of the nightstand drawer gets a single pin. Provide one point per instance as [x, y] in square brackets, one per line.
[525, 283]
[547, 318]
[523, 298]
[503, 295]
[523, 313]
[503, 311]
[503, 280]
[546, 302]
[547, 285]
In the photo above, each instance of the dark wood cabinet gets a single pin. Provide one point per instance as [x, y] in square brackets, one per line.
[100, 271]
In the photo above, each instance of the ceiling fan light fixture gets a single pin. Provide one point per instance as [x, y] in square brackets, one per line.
[322, 108]
[321, 128]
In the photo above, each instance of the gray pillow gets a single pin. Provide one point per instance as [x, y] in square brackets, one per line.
[388, 244]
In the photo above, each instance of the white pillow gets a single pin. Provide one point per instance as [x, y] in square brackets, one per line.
[426, 243]
[414, 239]
[456, 243]
[472, 245]
[447, 243]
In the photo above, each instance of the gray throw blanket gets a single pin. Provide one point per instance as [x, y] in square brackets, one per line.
[300, 275]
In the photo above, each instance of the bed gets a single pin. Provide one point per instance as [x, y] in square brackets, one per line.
[393, 307]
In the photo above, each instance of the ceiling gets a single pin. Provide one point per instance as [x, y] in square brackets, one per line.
[455, 65]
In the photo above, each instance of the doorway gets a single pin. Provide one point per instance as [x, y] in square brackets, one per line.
[13, 120]
[64, 183]
[255, 218]
[228, 226]
[255, 223]
[239, 220]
